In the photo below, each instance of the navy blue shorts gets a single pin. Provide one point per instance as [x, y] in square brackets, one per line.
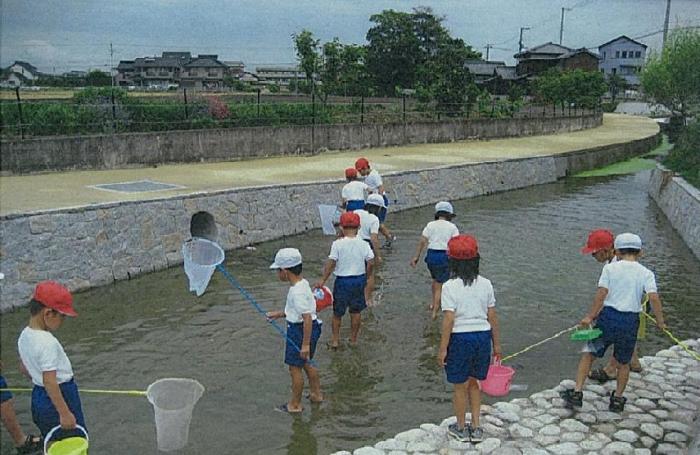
[382, 212]
[438, 265]
[295, 333]
[620, 330]
[354, 205]
[468, 356]
[4, 396]
[349, 294]
[44, 412]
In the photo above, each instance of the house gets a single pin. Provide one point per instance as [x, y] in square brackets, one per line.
[495, 77]
[234, 68]
[482, 70]
[539, 59]
[19, 73]
[279, 75]
[622, 56]
[75, 74]
[203, 71]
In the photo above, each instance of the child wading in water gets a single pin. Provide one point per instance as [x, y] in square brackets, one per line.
[55, 399]
[303, 329]
[469, 328]
[616, 309]
[354, 192]
[435, 237]
[600, 246]
[351, 260]
[376, 186]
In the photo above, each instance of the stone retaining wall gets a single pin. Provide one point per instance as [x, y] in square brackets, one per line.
[114, 151]
[96, 245]
[680, 202]
[660, 417]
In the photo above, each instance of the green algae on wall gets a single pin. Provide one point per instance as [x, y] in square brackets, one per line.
[633, 165]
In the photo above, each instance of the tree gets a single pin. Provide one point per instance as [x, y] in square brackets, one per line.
[307, 52]
[343, 70]
[672, 77]
[97, 78]
[616, 84]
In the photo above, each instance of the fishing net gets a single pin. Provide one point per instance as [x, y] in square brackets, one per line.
[330, 216]
[201, 258]
[173, 401]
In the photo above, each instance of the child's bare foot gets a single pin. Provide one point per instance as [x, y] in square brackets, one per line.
[315, 398]
[288, 409]
[332, 345]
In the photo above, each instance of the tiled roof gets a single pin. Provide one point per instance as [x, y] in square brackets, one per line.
[622, 37]
[482, 67]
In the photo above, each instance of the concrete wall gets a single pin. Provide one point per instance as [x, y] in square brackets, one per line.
[680, 202]
[96, 245]
[147, 149]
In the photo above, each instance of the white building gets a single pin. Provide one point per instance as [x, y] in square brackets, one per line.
[622, 56]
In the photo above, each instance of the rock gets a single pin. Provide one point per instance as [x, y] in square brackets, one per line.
[586, 417]
[591, 444]
[531, 423]
[575, 436]
[561, 412]
[494, 420]
[492, 429]
[542, 404]
[643, 417]
[390, 444]
[625, 436]
[342, 452]
[659, 413]
[672, 425]
[534, 451]
[567, 384]
[368, 451]
[456, 445]
[411, 435]
[595, 388]
[655, 431]
[507, 407]
[488, 445]
[520, 431]
[550, 430]
[507, 416]
[506, 451]
[606, 416]
[448, 421]
[573, 425]
[642, 452]
[429, 427]
[532, 412]
[546, 440]
[675, 437]
[566, 448]
[668, 449]
[647, 441]
[645, 403]
[606, 428]
[618, 448]
[667, 353]
[547, 418]
[684, 416]
[421, 446]
[685, 404]
[398, 452]
[628, 423]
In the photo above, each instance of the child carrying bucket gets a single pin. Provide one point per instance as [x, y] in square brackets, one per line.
[469, 328]
[354, 192]
[55, 398]
[303, 329]
[616, 309]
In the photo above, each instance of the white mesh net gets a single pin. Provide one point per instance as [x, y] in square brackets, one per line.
[330, 214]
[201, 258]
[173, 400]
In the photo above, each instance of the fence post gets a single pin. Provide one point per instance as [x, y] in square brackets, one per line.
[187, 115]
[19, 108]
[258, 109]
[313, 121]
[114, 112]
[362, 109]
[404, 108]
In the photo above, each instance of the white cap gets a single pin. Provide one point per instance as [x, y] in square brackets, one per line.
[628, 240]
[286, 258]
[444, 206]
[376, 199]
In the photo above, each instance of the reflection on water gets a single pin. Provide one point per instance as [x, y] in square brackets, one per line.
[132, 333]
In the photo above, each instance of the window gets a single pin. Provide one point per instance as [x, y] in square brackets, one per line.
[617, 54]
[604, 55]
[638, 54]
[614, 70]
[624, 54]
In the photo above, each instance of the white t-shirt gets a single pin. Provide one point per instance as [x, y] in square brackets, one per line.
[369, 224]
[300, 300]
[373, 181]
[40, 351]
[626, 282]
[354, 191]
[350, 255]
[469, 303]
[438, 233]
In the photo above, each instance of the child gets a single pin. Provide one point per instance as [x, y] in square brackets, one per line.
[369, 223]
[600, 246]
[619, 296]
[351, 260]
[469, 327]
[354, 192]
[376, 186]
[24, 444]
[55, 398]
[303, 329]
[435, 237]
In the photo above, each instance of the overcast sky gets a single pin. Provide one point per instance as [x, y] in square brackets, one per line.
[75, 34]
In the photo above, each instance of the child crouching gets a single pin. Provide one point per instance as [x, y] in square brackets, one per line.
[303, 329]
[469, 327]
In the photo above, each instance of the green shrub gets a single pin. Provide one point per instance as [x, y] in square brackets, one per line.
[609, 107]
[684, 158]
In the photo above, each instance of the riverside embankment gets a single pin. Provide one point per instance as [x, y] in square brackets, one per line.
[62, 226]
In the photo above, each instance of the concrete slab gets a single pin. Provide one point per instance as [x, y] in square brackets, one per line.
[21, 194]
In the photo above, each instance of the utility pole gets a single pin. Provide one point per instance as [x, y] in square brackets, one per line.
[668, 12]
[111, 63]
[561, 27]
[520, 43]
[488, 47]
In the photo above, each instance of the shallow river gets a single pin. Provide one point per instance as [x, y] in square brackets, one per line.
[132, 333]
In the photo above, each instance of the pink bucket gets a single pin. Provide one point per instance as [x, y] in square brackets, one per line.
[498, 380]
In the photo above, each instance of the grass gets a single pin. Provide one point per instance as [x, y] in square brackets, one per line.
[633, 165]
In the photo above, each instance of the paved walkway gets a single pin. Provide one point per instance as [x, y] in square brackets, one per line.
[20, 194]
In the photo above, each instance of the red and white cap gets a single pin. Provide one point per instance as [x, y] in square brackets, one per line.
[599, 239]
[350, 219]
[350, 172]
[361, 163]
[462, 247]
[55, 296]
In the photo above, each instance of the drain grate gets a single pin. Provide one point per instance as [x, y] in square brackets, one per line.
[140, 186]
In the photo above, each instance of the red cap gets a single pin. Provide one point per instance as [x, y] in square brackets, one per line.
[462, 247]
[361, 163]
[350, 219]
[55, 296]
[350, 172]
[599, 239]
